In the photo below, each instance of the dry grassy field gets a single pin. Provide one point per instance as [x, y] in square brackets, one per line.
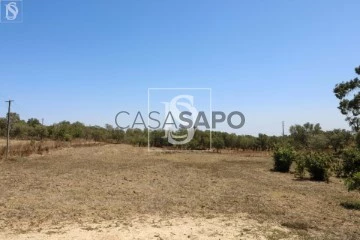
[27, 147]
[124, 192]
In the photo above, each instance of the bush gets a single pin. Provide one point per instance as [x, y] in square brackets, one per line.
[337, 167]
[283, 158]
[318, 165]
[67, 137]
[300, 166]
[218, 143]
[353, 182]
[352, 205]
[357, 140]
[351, 162]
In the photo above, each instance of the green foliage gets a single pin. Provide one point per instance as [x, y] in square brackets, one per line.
[118, 135]
[136, 137]
[246, 142]
[303, 136]
[337, 166]
[318, 165]
[77, 130]
[40, 132]
[307, 136]
[311, 137]
[353, 182]
[20, 130]
[67, 137]
[156, 138]
[318, 142]
[218, 143]
[33, 122]
[357, 140]
[352, 205]
[263, 142]
[350, 162]
[350, 107]
[283, 158]
[339, 139]
[14, 117]
[300, 166]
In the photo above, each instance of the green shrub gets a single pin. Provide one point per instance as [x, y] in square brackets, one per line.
[218, 143]
[351, 162]
[337, 167]
[353, 205]
[357, 140]
[300, 166]
[67, 137]
[353, 182]
[318, 165]
[283, 158]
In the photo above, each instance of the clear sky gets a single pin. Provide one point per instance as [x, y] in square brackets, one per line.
[272, 60]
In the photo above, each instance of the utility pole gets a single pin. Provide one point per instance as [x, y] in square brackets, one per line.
[42, 121]
[8, 128]
[283, 128]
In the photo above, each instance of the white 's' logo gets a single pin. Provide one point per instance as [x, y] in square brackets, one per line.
[173, 109]
[11, 11]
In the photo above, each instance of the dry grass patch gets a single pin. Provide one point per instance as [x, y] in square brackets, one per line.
[24, 148]
[115, 183]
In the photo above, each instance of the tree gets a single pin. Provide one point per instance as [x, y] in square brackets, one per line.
[247, 142]
[230, 140]
[77, 130]
[61, 130]
[218, 142]
[318, 142]
[350, 106]
[109, 127]
[118, 135]
[339, 139]
[3, 124]
[32, 122]
[263, 142]
[14, 117]
[20, 130]
[302, 135]
[41, 132]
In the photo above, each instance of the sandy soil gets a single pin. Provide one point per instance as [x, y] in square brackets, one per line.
[124, 192]
[148, 227]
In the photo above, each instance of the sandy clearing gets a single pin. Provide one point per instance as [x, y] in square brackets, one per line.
[146, 227]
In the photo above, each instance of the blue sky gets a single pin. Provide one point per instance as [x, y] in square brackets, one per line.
[272, 60]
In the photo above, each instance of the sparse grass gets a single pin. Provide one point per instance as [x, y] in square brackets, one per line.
[277, 234]
[118, 182]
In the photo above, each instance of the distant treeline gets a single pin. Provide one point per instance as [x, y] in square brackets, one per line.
[307, 136]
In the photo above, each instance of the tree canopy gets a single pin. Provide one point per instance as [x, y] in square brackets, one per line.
[350, 105]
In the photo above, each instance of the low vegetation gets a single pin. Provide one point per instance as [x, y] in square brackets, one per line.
[352, 205]
[318, 165]
[283, 158]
